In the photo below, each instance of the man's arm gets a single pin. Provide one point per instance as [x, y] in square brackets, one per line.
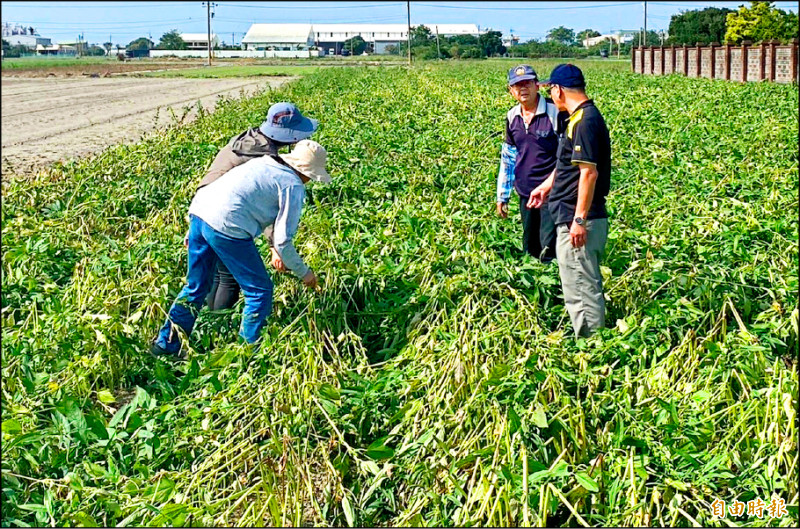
[505, 176]
[290, 205]
[542, 191]
[577, 233]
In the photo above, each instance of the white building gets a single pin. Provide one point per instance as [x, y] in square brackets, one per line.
[16, 35]
[199, 41]
[331, 37]
[620, 37]
[281, 37]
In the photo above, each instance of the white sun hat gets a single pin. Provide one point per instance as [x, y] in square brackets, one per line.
[309, 158]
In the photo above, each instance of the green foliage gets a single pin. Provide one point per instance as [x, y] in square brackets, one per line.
[140, 44]
[95, 51]
[760, 22]
[561, 35]
[699, 25]
[586, 34]
[491, 43]
[356, 45]
[435, 380]
[171, 40]
[421, 36]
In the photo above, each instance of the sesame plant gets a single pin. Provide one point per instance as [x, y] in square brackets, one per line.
[435, 380]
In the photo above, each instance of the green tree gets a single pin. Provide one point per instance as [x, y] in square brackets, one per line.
[491, 43]
[463, 40]
[561, 35]
[355, 45]
[586, 34]
[761, 21]
[421, 36]
[95, 51]
[171, 40]
[142, 43]
[704, 26]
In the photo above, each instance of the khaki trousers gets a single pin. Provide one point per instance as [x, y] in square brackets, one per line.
[581, 280]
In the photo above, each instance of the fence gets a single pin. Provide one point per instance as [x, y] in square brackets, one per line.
[231, 54]
[768, 61]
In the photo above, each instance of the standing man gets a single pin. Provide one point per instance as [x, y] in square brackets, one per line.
[577, 196]
[225, 218]
[528, 158]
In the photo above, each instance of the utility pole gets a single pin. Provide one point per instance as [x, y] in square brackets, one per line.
[209, 14]
[438, 51]
[408, 7]
[644, 36]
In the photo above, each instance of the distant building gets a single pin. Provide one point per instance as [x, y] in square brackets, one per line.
[510, 40]
[331, 37]
[279, 37]
[17, 35]
[620, 37]
[199, 41]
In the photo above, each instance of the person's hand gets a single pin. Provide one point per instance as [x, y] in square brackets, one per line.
[502, 210]
[538, 196]
[277, 262]
[577, 235]
[310, 280]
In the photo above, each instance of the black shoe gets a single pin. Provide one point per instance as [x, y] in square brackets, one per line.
[159, 352]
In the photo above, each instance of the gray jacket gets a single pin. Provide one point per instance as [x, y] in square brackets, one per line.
[242, 148]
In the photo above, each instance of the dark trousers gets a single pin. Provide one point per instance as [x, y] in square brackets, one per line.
[538, 231]
[224, 291]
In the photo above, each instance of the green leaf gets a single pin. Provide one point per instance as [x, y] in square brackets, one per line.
[587, 482]
[378, 450]
[514, 421]
[539, 417]
[329, 392]
[11, 426]
[348, 511]
[105, 396]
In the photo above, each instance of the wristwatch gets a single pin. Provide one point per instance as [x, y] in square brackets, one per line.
[578, 221]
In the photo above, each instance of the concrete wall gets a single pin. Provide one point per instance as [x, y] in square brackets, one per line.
[235, 54]
[770, 61]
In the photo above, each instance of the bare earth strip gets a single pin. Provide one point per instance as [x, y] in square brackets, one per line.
[47, 120]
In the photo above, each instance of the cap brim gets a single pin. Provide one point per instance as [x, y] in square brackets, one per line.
[302, 131]
[524, 78]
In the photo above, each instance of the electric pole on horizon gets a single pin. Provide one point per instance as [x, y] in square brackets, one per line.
[209, 14]
[644, 35]
[408, 7]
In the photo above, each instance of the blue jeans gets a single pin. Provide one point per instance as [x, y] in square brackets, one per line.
[241, 257]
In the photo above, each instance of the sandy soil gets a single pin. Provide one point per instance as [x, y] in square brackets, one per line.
[105, 69]
[47, 120]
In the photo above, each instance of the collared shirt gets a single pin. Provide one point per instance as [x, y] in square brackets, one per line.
[585, 140]
[252, 197]
[528, 155]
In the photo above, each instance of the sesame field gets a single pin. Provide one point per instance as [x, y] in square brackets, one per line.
[435, 379]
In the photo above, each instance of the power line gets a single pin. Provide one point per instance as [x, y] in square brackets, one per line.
[293, 7]
[105, 6]
[598, 6]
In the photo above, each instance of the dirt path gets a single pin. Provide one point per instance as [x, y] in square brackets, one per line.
[46, 120]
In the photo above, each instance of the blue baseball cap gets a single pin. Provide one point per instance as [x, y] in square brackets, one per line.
[286, 124]
[523, 72]
[566, 75]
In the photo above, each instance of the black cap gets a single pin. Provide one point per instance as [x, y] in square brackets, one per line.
[566, 75]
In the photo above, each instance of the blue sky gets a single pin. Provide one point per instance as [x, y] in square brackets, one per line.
[126, 21]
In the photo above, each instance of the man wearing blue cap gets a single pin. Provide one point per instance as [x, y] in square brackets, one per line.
[284, 126]
[528, 158]
[577, 199]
